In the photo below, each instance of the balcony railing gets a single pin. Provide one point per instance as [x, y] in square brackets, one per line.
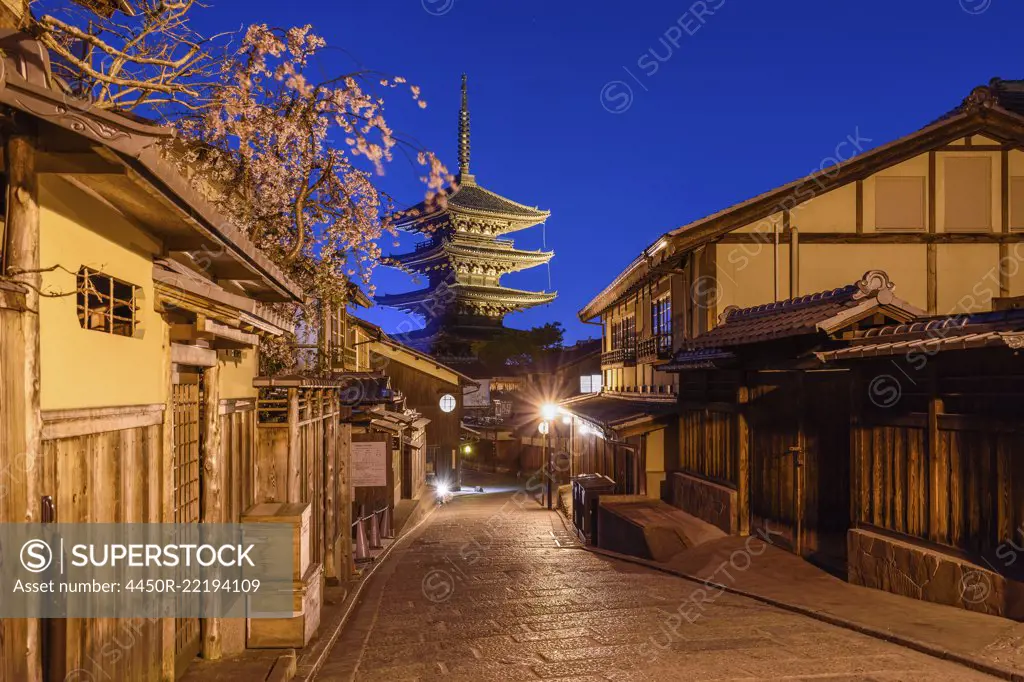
[624, 356]
[657, 347]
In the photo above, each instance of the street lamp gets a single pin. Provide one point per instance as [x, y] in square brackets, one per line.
[548, 412]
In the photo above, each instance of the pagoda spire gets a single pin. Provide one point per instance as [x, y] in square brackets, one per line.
[464, 173]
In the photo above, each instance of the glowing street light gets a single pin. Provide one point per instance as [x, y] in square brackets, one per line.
[549, 411]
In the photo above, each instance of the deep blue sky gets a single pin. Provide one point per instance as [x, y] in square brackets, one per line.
[757, 96]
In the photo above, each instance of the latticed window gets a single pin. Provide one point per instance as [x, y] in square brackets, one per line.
[661, 315]
[624, 333]
[106, 304]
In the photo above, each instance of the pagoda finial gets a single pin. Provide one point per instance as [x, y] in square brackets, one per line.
[464, 135]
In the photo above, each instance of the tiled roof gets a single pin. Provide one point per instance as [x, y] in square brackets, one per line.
[476, 198]
[1009, 94]
[470, 196]
[609, 411]
[936, 334]
[821, 313]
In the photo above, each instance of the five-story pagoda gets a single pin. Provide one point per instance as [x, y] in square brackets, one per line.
[463, 259]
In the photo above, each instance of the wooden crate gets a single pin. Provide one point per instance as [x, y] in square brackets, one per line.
[294, 632]
[299, 516]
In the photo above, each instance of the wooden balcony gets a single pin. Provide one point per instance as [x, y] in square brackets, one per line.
[620, 357]
[657, 347]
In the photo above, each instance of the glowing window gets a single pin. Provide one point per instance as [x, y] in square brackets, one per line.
[447, 403]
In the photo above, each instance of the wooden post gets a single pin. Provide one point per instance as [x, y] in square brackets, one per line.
[332, 558]
[794, 260]
[20, 420]
[212, 488]
[742, 459]
[856, 410]
[932, 289]
[167, 497]
[345, 501]
[799, 459]
[293, 485]
[937, 494]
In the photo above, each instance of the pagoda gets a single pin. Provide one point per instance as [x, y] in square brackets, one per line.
[463, 258]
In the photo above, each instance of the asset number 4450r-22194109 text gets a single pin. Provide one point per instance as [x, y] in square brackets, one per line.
[192, 586]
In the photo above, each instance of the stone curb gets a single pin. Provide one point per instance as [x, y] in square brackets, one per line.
[973, 662]
[284, 668]
[353, 597]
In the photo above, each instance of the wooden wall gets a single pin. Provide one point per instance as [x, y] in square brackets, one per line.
[707, 443]
[98, 473]
[302, 455]
[238, 465]
[423, 393]
[942, 465]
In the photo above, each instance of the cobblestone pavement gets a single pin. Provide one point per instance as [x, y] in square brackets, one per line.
[491, 587]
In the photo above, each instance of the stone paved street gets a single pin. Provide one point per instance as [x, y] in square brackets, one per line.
[491, 587]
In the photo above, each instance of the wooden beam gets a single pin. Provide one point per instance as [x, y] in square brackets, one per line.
[742, 461]
[880, 238]
[212, 490]
[1004, 190]
[293, 484]
[77, 163]
[167, 639]
[344, 462]
[91, 420]
[1004, 272]
[223, 336]
[21, 465]
[193, 356]
[933, 281]
[938, 502]
[860, 207]
[794, 261]
[932, 181]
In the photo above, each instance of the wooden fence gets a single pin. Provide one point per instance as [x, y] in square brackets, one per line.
[302, 444]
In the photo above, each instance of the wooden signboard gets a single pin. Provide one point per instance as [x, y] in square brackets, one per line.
[372, 475]
[370, 464]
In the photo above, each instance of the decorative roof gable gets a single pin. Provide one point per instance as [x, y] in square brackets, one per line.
[817, 315]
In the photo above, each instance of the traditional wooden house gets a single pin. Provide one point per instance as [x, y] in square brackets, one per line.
[764, 431]
[940, 210]
[436, 392]
[936, 494]
[129, 324]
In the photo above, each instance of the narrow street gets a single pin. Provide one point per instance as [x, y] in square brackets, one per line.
[491, 587]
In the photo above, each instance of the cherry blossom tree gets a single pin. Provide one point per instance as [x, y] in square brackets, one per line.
[130, 54]
[300, 155]
[293, 156]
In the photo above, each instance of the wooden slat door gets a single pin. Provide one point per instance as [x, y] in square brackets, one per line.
[774, 429]
[187, 436]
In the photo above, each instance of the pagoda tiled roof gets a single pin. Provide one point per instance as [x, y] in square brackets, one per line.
[470, 292]
[480, 249]
[469, 196]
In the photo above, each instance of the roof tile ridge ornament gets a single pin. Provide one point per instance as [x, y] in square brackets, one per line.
[729, 310]
[982, 97]
[465, 177]
[876, 284]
